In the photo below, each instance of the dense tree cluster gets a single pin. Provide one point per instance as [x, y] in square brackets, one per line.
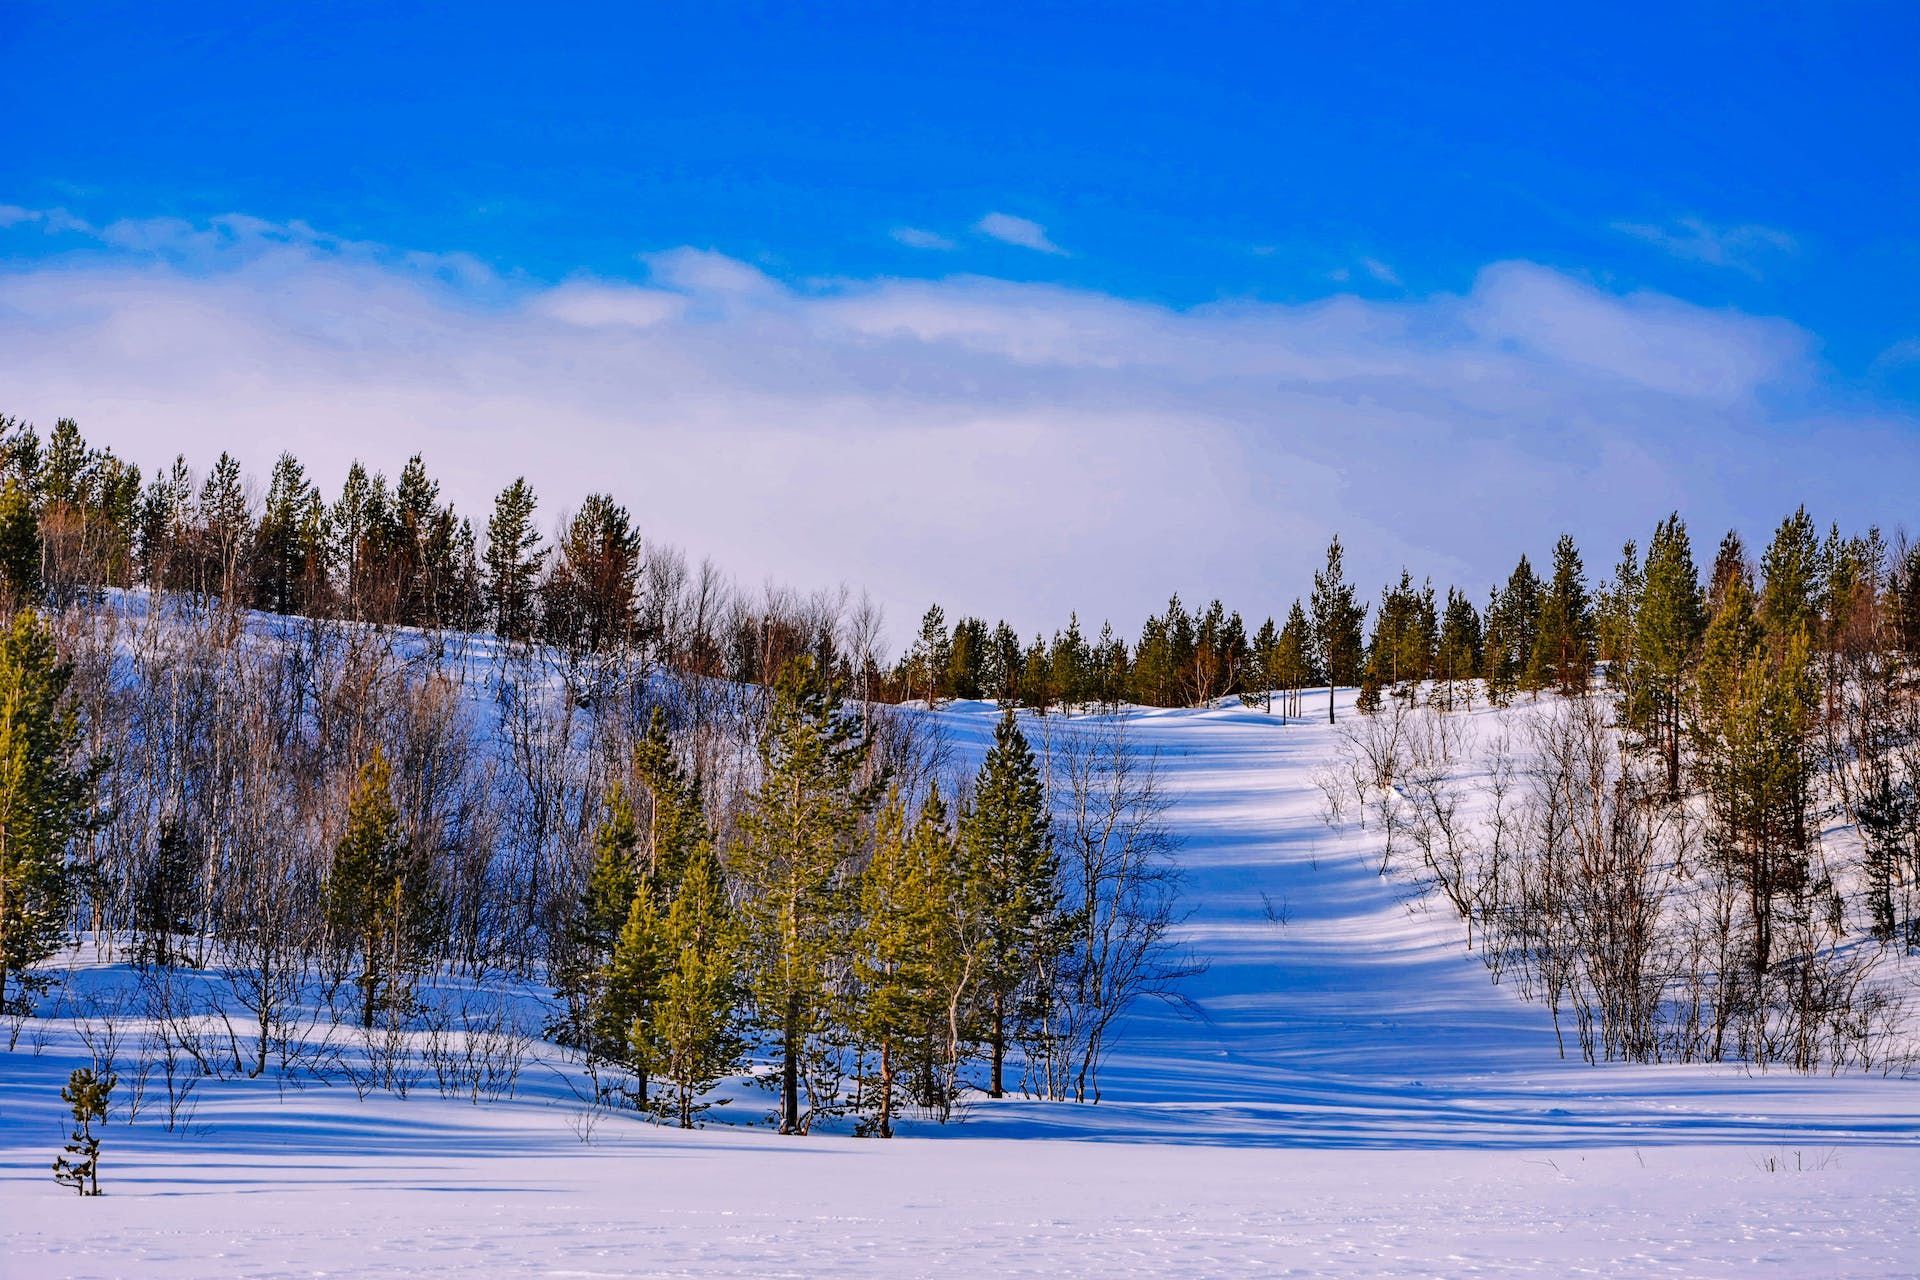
[1688, 859]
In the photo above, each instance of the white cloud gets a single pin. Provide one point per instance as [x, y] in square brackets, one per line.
[919, 238]
[1380, 271]
[1024, 232]
[1000, 447]
[1740, 247]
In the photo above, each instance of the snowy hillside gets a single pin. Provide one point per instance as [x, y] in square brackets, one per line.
[1348, 1094]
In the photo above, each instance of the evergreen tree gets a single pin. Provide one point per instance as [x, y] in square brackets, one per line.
[1007, 843]
[1457, 656]
[1751, 736]
[1793, 586]
[1613, 616]
[20, 552]
[225, 529]
[676, 826]
[901, 964]
[693, 1038]
[1666, 627]
[1263, 666]
[926, 666]
[966, 664]
[86, 1093]
[513, 560]
[46, 794]
[1563, 644]
[623, 1025]
[380, 899]
[1518, 625]
[289, 543]
[590, 602]
[1337, 619]
[1296, 657]
[794, 857]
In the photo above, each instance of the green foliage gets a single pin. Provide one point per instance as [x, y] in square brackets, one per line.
[86, 1094]
[1563, 647]
[46, 794]
[1013, 873]
[1337, 618]
[20, 550]
[693, 1037]
[381, 906]
[797, 846]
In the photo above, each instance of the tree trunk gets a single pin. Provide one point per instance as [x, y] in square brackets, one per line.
[886, 1089]
[999, 1047]
[790, 1069]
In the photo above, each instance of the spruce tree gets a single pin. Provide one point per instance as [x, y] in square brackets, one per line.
[46, 794]
[1337, 618]
[1007, 841]
[794, 857]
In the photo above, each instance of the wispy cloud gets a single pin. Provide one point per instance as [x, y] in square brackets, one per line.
[1380, 271]
[1742, 247]
[920, 238]
[1024, 232]
[965, 439]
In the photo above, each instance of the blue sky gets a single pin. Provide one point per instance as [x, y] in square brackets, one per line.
[1755, 177]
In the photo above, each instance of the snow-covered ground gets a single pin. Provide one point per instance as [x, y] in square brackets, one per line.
[1352, 1097]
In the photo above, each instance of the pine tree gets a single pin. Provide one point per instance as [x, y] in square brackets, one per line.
[1296, 662]
[1514, 617]
[513, 560]
[794, 857]
[693, 1039]
[87, 1093]
[1563, 641]
[676, 825]
[1263, 667]
[579, 972]
[380, 900]
[623, 1029]
[1751, 739]
[1337, 619]
[1457, 656]
[20, 550]
[589, 597]
[926, 667]
[46, 794]
[901, 965]
[1666, 628]
[289, 543]
[225, 529]
[1793, 581]
[1007, 840]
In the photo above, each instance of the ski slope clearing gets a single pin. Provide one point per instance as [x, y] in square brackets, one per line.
[1349, 1094]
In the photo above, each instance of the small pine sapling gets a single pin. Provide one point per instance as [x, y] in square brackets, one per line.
[86, 1092]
